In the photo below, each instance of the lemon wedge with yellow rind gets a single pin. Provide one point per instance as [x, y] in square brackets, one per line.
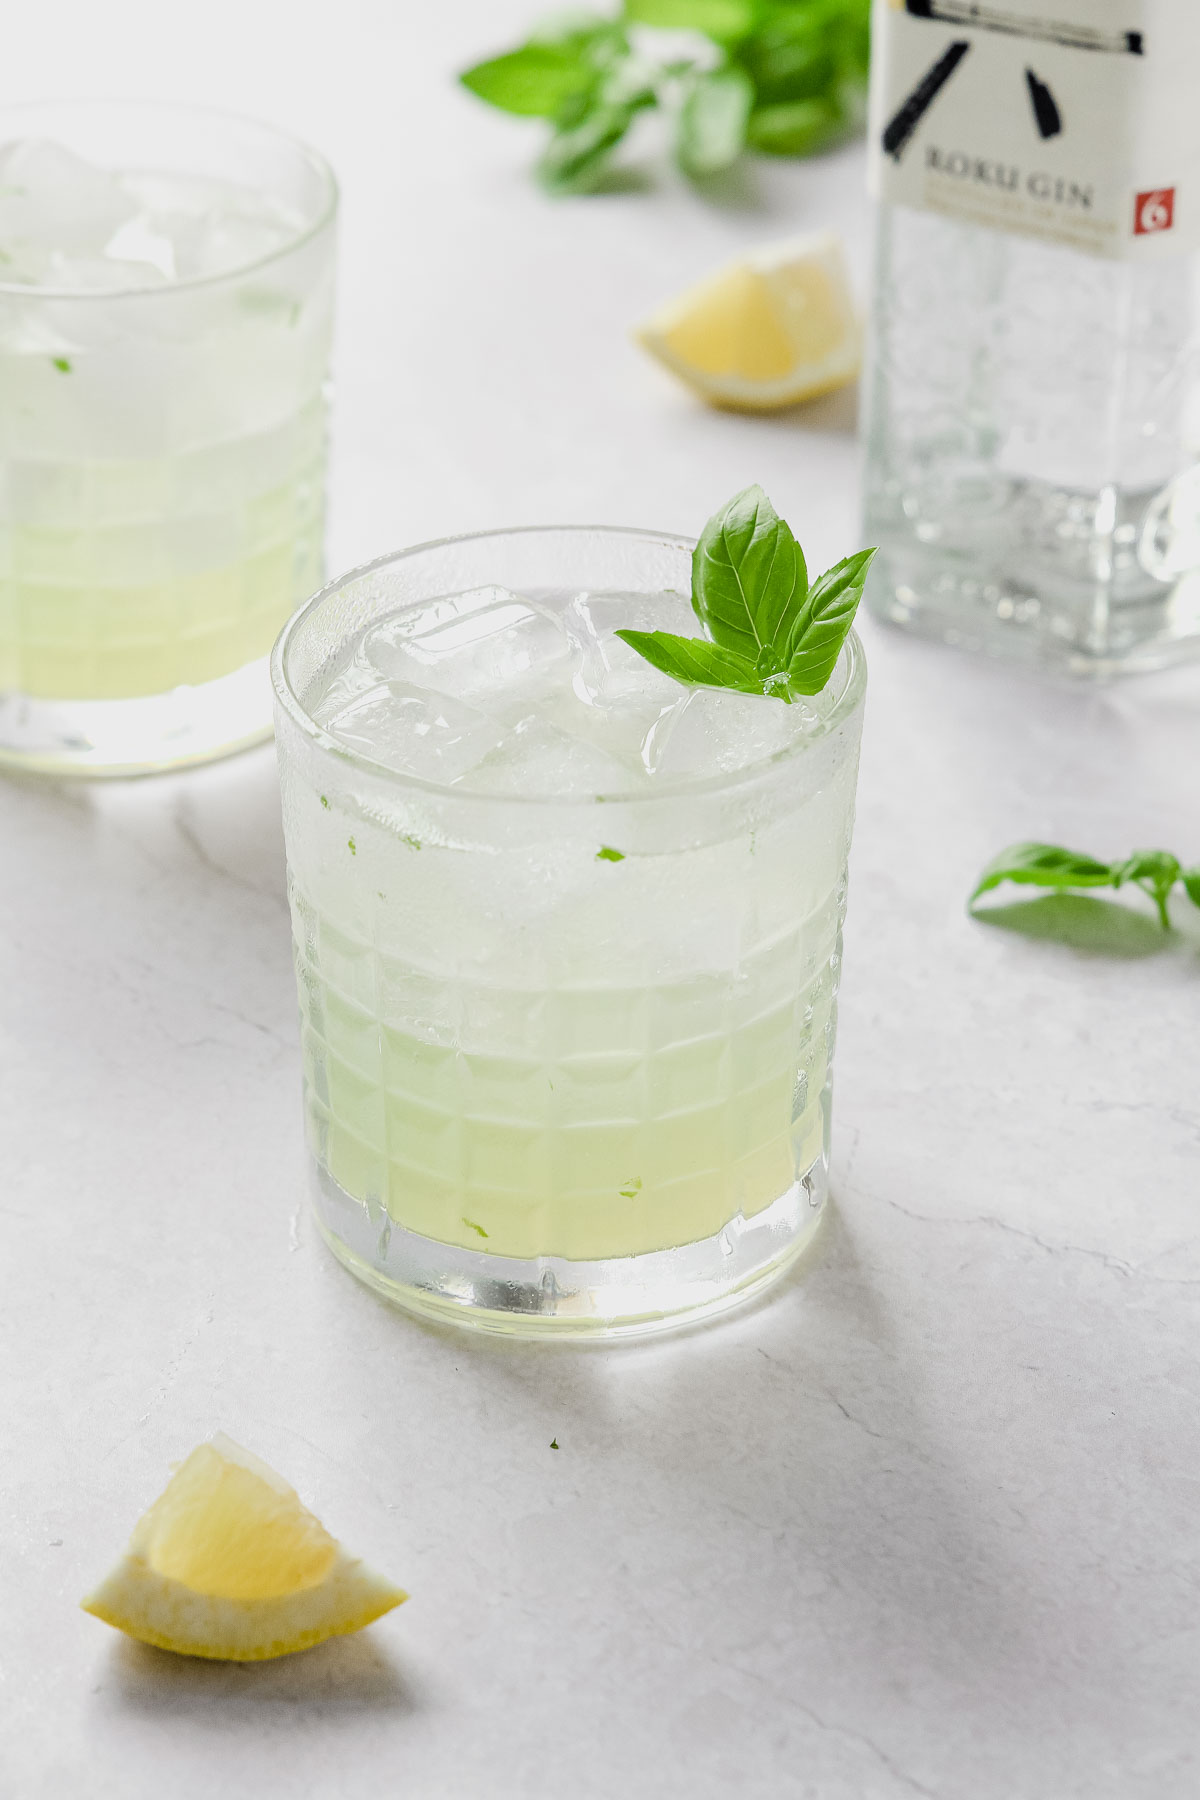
[769, 331]
[228, 1563]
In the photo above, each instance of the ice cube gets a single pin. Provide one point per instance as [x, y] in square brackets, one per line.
[98, 274]
[334, 691]
[715, 733]
[609, 670]
[618, 701]
[222, 242]
[415, 732]
[627, 727]
[53, 198]
[208, 226]
[652, 747]
[487, 645]
[138, 242]
[538, 758]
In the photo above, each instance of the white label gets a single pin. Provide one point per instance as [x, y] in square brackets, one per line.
[1071, 120]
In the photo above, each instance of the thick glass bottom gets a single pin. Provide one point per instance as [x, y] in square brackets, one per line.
[553, 1297]
[1012, 605]
[140, 736]
[1016, 626]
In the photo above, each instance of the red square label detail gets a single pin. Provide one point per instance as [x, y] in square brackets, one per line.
[1154, 211]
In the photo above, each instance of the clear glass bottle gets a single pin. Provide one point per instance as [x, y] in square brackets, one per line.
[1033, 404]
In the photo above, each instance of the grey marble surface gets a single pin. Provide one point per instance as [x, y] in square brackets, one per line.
[923, 1523]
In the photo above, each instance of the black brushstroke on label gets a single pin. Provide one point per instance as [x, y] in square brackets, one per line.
[988, 18]
[901, 126]
[1045, 108]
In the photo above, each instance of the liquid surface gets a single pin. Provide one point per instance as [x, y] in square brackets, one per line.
[534, 694]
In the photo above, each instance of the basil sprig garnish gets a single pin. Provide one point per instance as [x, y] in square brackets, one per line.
[769, 630]
[1049, 866]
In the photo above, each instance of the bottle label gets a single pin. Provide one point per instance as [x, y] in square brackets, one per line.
[1076, 121]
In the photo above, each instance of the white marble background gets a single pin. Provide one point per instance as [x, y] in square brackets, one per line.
[925, 1523]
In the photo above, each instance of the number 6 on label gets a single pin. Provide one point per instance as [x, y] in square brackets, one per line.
[1154, 211]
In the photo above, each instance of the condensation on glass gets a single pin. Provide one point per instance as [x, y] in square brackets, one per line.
[166, 297]
[566, 1060]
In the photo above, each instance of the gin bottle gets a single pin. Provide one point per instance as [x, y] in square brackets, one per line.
[1033, 397]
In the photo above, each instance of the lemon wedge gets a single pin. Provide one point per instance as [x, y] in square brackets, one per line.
[769, 331]
[228, 1563]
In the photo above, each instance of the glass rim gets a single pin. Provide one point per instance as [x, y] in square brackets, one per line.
[847, 702]
[301, 236]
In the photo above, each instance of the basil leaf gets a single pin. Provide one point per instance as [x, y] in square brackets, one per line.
[1046, 866]
[1158, 867]
[806, 63]
[795, 129]
[1049, 866]
[576, 158]
[808, 51]
[695, 661]
[1155, 872]
[822, 624]
[536, 82]
[711, 129]
[719, 19]
[749, 581]
[792, 81]
[790, 59]
[770, 632]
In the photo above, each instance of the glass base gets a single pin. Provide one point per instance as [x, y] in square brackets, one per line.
[1018, 621]
[633, 1296]
[137, 737]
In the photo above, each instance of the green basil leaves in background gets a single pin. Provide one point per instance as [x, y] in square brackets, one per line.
[786, 77]
[711, 130]
[719, 19]
[769, 631]
[1050, 867]
[540, 81]
[574, 159]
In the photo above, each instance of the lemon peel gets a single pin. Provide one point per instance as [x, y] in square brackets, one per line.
[771, 330]
[229, 1564]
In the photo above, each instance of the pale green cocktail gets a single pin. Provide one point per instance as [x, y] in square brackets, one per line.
[567, 934]
[166, 282]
